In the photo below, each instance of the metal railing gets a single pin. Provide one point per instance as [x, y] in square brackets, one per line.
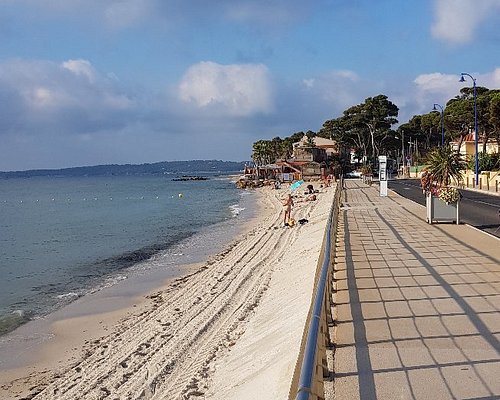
[311, 368]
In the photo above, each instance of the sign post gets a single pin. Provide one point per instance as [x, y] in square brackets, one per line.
[382, 175]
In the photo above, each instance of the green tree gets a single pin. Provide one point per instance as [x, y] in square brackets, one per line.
[310, 144]
[367, 126]
[494, 115]
[459, 114]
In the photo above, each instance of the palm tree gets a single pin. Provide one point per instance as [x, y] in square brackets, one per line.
[444, 165]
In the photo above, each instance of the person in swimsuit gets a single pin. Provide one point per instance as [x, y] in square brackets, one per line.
[287, 204]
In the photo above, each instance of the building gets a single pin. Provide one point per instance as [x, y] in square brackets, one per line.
[323, 149]
[311, 163]
[468, 146]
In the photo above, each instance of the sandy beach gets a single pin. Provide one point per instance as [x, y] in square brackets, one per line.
[229, 328]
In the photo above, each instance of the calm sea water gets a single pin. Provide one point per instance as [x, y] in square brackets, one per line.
[61, 238]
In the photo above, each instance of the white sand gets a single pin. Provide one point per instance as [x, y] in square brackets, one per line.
[232, 329]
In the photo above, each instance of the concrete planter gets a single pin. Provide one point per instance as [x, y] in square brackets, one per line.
[439, 211]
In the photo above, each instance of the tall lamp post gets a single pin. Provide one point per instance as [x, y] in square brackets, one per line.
[476, 166]
[442, 121]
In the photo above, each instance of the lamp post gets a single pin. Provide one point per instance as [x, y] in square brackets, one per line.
[442, 121]
[476, 166]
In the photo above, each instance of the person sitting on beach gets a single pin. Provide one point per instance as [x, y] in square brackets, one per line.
[287, 204]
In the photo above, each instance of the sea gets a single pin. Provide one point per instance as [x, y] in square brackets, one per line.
[64, 237]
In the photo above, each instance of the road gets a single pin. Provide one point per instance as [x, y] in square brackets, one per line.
[478, 209]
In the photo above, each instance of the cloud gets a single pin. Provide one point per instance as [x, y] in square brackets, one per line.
[67, 97]
[119, 14]
[444, 84]
[456, 21]
[330, 93]
[439, 88]
[237, 90]
[80, 67]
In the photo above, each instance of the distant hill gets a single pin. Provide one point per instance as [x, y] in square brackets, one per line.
[159, 168]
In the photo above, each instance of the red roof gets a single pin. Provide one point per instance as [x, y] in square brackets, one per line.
[470, 137]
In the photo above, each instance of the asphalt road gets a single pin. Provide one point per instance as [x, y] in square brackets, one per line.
[476, 208]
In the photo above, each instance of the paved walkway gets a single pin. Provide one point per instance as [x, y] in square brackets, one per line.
[417, 306]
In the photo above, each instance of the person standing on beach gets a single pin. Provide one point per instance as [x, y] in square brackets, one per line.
[287, 204]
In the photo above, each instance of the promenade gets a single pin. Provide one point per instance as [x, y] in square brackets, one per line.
[417, 306]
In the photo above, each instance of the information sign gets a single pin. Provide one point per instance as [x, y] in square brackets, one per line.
[382, 174]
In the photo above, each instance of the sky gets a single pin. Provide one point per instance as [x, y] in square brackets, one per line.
[86, 82]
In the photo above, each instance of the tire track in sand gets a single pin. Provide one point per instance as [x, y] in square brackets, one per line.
[166, 351]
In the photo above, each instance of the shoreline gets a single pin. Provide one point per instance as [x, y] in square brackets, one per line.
[66, 239]
[35, 350]
[180, 329]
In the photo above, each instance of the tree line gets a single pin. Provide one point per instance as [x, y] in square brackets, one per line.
[368, 127]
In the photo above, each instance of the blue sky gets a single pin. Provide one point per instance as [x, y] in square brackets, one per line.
[86, 82]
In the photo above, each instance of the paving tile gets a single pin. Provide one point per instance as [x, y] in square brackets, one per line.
[435, 291]
[414, 352]
[369, 295]
[363, 273]
[484, 288]
[384, 356]
[405, 281]
[398, 308]
[458, 325]
[425, 280]
[464, 290]
[489, 373]
[444, 350]
[400, 271]
[381, 272]
[366, 283]
[453, 278]
[464, 382]
[476, 348]
[386, 282]
[376, 330]
[378, 263]
[393, 385]
[373, 310]
[446, 306]
[428, 383]
[413, 293]
[389, 294]
[429, 326]
[491, 321]
[480, 304]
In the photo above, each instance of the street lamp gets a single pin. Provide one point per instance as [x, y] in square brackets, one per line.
[442, 121]
[476, 166]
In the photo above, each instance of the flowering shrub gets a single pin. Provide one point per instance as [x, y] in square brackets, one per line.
[449, 195]
[428, 184]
